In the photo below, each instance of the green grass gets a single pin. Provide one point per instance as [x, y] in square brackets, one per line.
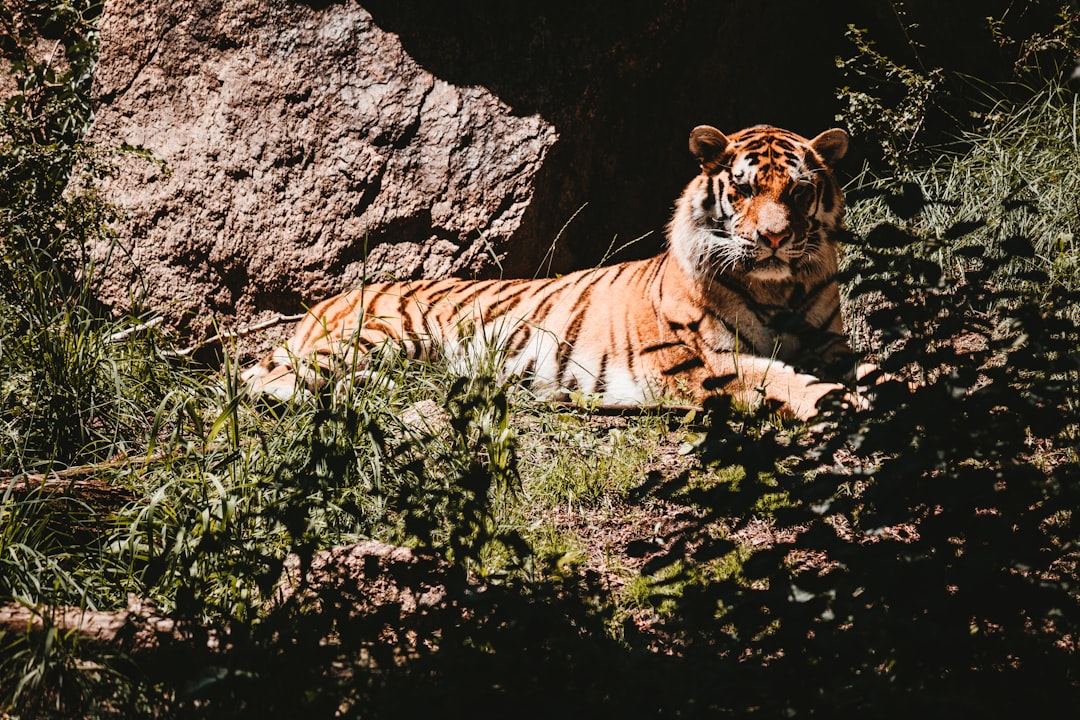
[223, 486]
[1015, 178]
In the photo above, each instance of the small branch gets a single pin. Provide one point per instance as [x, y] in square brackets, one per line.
[270, 322]
[631, 410]
[128, 332]
[97, 494]
[74, 483]
[32, 480]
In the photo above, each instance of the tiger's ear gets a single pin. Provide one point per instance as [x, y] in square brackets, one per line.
[831, 145]
[706, 143]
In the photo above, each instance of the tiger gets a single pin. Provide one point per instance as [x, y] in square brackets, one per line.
[744, 300]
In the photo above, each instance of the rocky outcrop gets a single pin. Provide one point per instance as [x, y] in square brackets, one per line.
[302, 151]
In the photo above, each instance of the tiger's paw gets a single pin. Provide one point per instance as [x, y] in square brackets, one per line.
[278, 383]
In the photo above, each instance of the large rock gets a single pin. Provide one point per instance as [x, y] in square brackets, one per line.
[303, 151]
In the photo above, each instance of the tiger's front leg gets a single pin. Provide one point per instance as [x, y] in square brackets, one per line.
[760, 378]
[275, 376]
[750, 379]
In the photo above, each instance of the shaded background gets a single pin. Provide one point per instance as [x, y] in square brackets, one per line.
[624, 83]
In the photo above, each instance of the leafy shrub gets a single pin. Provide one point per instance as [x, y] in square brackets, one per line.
[929, 564]
[904, 112]
[1026, 156]
[68, 388]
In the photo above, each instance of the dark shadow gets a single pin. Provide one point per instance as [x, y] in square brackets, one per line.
[624, 83]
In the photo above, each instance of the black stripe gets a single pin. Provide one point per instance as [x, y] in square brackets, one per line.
[832, 316]
[562, 359]
[407, 327]
[421, 286]
[509, 301]
[444, 293]
[569, 339]
[616, 272]
[519, 338]
[528, 374]
[753, 143]
[628, 345]
[727, 326]
[814, 293]
[539, 316]
[761, 311]
[657, 266]
[477, 288]
[409, 295]
[601, 376]
[828, 197]
[728, 284]
[661, 346]
[553, 288]
[659, 294]
[690, 364]
[581, 308]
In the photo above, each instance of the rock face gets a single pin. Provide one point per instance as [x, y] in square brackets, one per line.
[304, 151]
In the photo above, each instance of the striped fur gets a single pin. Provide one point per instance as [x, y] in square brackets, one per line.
[744, 294]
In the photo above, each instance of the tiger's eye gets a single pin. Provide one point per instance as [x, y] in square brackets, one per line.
[802, 192]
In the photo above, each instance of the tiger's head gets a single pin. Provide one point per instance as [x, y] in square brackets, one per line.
[765, 207]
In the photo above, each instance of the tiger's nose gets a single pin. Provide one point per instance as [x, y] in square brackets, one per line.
[774, 239]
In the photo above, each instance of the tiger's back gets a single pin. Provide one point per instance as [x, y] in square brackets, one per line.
[558, 335]
[746, 286]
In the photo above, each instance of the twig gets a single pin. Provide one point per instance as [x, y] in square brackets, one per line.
[72, 482]
[368, 571]
[619, 409]
[270, 322]
[128, 332]
[68, 477]
[32, 481]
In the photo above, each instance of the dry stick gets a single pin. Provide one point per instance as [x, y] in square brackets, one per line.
[121, 335]
[270, 322]
[620, 409]
[71, 482]
[68, 477]
[32, 480]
